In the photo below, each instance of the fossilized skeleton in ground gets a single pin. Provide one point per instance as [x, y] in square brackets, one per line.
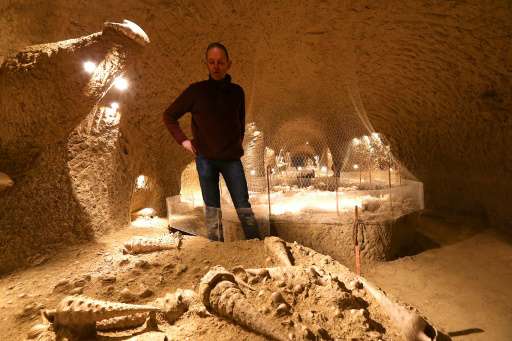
[280, 303]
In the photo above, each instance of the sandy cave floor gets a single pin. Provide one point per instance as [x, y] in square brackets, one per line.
[461, 286]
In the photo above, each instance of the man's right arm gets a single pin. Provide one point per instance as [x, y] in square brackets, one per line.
[177, 109]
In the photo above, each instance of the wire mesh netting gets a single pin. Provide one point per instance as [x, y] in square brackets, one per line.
[310, 173]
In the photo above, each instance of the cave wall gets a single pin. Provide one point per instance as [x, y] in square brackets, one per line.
[434, 77]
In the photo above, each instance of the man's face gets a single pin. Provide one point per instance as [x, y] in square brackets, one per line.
[217, 63]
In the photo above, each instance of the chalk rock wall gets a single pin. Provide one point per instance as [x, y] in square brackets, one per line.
[434, 77]
[64, 156]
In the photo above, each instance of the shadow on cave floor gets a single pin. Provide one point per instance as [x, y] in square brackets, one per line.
[435, 230]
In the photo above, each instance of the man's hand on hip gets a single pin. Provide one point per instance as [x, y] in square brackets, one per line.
[187, 144]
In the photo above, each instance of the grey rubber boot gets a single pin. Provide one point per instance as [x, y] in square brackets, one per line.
[213, 218]
[248, 222]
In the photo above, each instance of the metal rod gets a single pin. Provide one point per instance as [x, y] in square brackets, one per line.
[337, 194]
[390, 189]
[370, 168]
[356, 242]
[268, 197]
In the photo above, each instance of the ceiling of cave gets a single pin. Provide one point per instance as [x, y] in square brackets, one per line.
[434, 77]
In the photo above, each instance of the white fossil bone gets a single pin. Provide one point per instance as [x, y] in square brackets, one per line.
[411, 324]
[175, 304]
[146, 244]
[276, 247]
[81, 311]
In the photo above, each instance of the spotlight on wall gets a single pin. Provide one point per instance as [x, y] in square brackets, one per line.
[299, 168]
[89, 66]
[323, 169]
[253, 172]
[121, 83]
[140, 182]
[356, 167]
[147, 212]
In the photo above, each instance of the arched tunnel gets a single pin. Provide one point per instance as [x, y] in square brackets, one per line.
[81, 155]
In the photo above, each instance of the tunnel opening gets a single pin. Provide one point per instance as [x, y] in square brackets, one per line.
[143, 213]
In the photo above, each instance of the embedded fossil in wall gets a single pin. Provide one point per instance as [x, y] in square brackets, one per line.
[145, 244]
[130, 30]
[5, 181]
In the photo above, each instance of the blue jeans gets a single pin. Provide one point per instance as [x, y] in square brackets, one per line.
[233, 173]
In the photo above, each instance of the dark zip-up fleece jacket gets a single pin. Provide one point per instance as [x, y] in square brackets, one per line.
[218, 118]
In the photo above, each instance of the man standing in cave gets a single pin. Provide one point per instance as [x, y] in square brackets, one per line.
[218, 125]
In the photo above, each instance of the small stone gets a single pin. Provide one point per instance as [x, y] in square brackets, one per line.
[277, 298]
[282, 309]
[124, 261]
[338, 313]
[374, 334]
[107, 279]
[324, 334]
[30, 310]
[261, 293]
[127, 296]
[22, 295]
[307, 334]
[281, 283]
[146, 292]
[253, 280]
[61, 286]
[142, 264]
[155, 263]
[298, 288]
[76, 291]
[79, 283]
[181, 268]
[268, 260]
[355, 285]
[109, 290]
